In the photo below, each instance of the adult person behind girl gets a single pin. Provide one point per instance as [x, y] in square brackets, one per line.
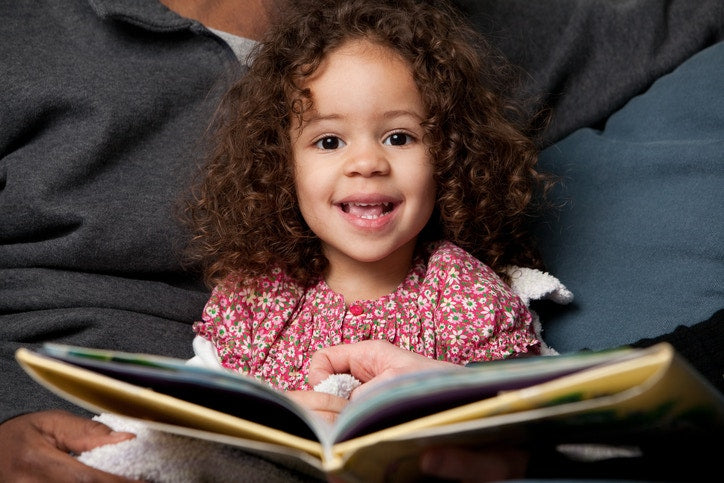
[368, 179]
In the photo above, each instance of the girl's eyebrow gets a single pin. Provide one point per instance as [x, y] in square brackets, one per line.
[314, 116]
[402, 113]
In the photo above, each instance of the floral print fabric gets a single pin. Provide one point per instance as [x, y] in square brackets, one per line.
[450, 307]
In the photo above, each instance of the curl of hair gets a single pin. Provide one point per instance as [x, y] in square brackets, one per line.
[244, 213]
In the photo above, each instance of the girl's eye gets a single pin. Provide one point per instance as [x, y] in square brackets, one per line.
[329, 142]
[398, 139]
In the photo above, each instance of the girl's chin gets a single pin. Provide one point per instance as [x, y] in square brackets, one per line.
[371, 253]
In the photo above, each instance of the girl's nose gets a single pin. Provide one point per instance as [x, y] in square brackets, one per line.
[367, 159]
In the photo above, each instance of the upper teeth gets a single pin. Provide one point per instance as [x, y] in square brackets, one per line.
[380, 208]
[371, 204]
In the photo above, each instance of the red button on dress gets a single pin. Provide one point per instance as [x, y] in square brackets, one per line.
[356, 310]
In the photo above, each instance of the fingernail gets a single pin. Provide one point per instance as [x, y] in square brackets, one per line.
[121, 435]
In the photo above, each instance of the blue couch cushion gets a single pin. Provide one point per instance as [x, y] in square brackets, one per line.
[640, 237]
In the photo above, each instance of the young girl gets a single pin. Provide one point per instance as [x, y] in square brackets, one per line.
[367, 182]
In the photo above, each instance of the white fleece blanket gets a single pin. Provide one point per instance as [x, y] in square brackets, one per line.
[161, 457]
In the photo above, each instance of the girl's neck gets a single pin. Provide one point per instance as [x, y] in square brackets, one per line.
[356, 280]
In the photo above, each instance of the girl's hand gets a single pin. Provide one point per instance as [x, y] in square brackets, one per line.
[325, 405]
[369, 361]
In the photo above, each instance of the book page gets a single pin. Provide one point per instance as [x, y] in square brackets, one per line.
[100, 393]
[219, 389]
[417, 395]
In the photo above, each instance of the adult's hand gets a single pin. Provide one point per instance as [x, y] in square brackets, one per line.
[38, 446]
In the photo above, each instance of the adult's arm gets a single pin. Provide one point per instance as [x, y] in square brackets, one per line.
[587, 58]
[102, 111]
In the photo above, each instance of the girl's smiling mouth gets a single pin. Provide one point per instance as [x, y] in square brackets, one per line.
[367, 211]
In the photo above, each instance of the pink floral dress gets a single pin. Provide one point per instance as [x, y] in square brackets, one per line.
[450, 307]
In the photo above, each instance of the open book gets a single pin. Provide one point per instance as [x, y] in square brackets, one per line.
[610, 396]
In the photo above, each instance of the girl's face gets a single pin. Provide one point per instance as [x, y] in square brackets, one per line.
[364, 177]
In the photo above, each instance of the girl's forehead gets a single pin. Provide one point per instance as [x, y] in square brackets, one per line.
[360, 51]
[360, 78]
[364, 46]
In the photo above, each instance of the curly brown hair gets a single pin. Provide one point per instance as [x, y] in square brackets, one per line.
[244, 213]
